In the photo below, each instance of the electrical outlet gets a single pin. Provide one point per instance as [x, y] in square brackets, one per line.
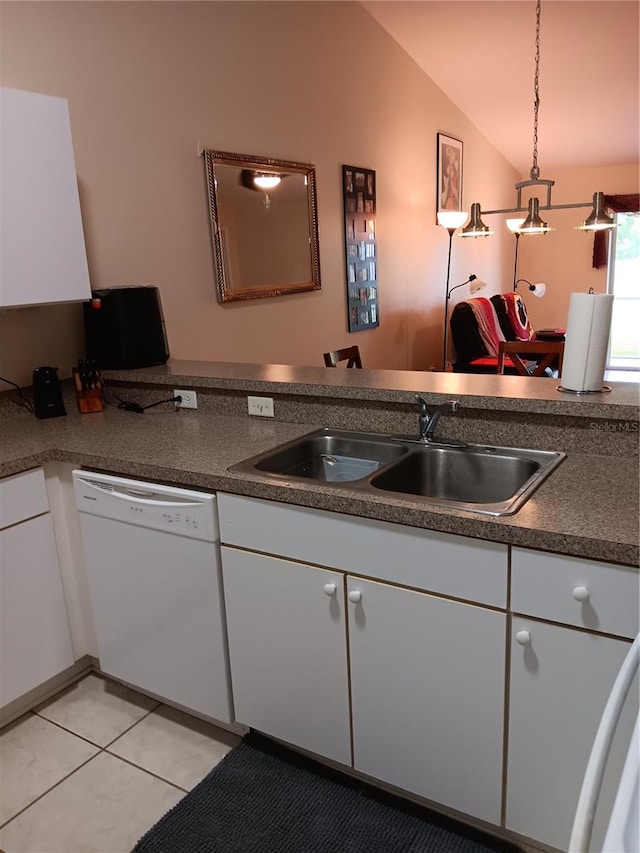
[261, 406]
[189, 399]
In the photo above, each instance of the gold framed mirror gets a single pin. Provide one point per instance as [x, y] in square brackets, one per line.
[264, 225]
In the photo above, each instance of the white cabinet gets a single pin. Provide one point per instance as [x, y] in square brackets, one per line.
[560, 681]
[35, 644]
[43, 255]
[427, 684]
[287, 647]
[427, 673]
[427, 630]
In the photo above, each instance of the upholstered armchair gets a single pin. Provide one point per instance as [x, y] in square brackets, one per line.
[480, 327]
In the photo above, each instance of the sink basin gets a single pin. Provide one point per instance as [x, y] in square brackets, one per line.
[328, 456]
[494, 480]
[473, 477]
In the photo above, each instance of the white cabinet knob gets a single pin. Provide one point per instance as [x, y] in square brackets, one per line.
[580, 593]
[523, 638]
[330, 589]
[355, 596]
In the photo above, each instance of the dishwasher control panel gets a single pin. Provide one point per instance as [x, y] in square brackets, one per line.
[181, 512]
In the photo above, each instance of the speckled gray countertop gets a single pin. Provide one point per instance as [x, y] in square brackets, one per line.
[498, 393]
[588, 507]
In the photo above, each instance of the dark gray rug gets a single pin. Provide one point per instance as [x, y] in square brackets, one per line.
[263, 798]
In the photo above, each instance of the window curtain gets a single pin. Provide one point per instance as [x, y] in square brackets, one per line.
[629, 203]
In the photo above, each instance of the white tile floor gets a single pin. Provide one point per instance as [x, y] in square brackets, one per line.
[92, 769]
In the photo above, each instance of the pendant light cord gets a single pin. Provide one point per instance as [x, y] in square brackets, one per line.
[535, 171]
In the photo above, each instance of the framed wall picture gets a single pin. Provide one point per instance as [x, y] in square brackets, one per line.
[449, 158]
[361, 247]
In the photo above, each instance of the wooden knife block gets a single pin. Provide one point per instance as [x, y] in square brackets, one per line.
[89, 400]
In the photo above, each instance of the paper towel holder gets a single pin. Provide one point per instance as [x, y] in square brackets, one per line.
[602, 390]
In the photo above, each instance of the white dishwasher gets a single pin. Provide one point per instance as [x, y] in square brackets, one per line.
[153, 564]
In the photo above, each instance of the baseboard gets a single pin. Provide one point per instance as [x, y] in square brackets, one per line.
[49, 688]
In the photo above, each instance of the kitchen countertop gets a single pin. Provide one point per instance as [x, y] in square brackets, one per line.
[587, 508]
[487, 391]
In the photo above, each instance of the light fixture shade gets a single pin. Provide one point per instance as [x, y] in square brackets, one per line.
[538, 289]
[266, 182]
[475, 226]
[476, 285]
[514, 224]
[452, 219]
[533, 224]
[598, 219]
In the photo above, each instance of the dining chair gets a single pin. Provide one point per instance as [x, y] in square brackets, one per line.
[349, 354]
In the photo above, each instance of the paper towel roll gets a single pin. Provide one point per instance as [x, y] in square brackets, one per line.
[587, 339]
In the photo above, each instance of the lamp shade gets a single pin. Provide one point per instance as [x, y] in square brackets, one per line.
[452, 219]
[598, 219]
[476, 285]
[514, 224]
[533, 224]
[538, 289]
[266, 182]
[475, 227]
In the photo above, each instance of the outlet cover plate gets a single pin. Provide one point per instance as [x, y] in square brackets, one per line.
[189, 399]
[260, 406]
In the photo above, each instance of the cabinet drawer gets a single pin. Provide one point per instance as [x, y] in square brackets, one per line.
[22, 496]
[598, 596]
[443, 563]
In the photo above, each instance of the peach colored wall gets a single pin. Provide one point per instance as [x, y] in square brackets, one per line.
[314, 82]
[563, 258]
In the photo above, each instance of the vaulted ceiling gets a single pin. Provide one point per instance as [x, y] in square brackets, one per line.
[481, 53]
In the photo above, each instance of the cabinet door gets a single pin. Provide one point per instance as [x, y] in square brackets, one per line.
[35, 643]
[427, 680]
[560, 681]
[43, 255]
[287, 647]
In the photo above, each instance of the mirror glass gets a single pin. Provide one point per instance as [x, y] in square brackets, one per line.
[264, 225]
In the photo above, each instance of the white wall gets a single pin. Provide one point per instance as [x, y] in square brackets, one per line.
[313, 82]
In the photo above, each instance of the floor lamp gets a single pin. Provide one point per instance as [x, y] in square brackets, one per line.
[451, 220]
[513, 225]
[538, 289]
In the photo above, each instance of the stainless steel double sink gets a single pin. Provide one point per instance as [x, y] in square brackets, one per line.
[471, 477]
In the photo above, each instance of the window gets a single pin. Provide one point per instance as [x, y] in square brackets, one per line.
[624, 283]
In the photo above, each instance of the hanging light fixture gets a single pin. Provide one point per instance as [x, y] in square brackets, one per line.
[598, 219]
[475, 226]
[533, 224]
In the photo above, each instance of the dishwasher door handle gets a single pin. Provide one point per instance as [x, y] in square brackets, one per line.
[138, 493]
[150, 497]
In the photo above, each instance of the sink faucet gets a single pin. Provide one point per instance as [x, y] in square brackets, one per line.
[428, 419]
